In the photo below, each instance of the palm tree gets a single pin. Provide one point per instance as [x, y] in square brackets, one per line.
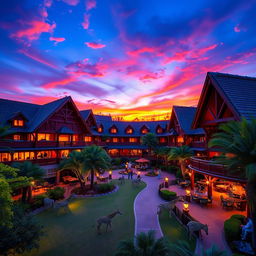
[4, 131]
[237, 141]
[145, 244]
[149, 140]
[95, 158]
[183, 248]
[29, 170]
[181, 154]
[163, 153]
[75, 162]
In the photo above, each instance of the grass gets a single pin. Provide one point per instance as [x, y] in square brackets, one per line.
[72, 231]
[173, 231]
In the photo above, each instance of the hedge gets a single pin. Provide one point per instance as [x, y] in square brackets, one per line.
[167, 195]
[56, 193]
[232, 227]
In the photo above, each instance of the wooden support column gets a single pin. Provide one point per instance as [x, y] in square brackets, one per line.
[192, 179]
[209, 187]
[57, 177]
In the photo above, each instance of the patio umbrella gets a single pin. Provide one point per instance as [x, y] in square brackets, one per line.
[142, 160]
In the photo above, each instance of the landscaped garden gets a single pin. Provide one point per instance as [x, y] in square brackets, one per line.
[73, 230]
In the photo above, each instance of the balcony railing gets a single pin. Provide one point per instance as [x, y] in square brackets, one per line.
[16, 144]
[211, 168]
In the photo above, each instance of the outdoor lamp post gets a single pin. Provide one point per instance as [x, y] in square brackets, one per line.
[110, 175]
[188, 195]
[185, 208]
[138, 175]
[166, 183]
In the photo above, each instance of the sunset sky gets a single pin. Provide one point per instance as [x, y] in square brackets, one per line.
[130, 58]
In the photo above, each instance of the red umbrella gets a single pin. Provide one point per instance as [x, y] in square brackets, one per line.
[142, 160]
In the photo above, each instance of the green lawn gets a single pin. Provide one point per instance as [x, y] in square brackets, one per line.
[173, 230]
[73, 231]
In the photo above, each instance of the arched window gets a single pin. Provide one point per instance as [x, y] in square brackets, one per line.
[129, 130]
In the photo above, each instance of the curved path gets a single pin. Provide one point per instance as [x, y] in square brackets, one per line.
[145, 207]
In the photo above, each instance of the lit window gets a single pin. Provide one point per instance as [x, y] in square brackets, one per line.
[180, 139]
[75, 137]
[162, 140]
[87, 139]
[100, 129]
[16, 137]
[132, 139]
[45, 136]
[159, 130]
[64, 137]
[113, 130]
[18, 123]
[144, 131]
[129, 130]
[115, 139]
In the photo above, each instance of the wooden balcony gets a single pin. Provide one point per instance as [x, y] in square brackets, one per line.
[44, 161]
[209, 167]
[46, 144]
[16, 144]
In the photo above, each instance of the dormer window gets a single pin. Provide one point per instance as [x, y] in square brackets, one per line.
[113, 130]
[129, 130]
[159, 130]
[16, 137]
[100, 129]
[144, 130]
[18, 123]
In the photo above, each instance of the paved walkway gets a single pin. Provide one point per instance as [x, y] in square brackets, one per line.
[145, 207]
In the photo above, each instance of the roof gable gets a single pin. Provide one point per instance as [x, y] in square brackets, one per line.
[238, 93]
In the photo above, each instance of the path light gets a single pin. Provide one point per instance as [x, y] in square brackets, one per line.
[166, 183]
[110, 175]
[138, 174]
[188, 195]
[185, 207]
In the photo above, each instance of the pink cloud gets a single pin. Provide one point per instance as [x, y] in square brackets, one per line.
[90, 4]
[36, 28]
[37, 57]
[48, 3]
[141, 50]
[95, 45]
[57, 39]
[60, 82]
[237, 29]
[71, 2]
[86, 23]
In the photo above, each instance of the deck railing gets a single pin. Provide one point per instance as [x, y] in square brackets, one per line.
[212, 168]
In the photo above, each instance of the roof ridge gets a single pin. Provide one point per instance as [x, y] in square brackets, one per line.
[233, 76]
[22, 102]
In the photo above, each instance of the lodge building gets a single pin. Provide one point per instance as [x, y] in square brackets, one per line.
[44, 134]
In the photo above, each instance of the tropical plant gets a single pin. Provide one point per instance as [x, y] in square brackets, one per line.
[162, 152]
[145, 244]
[149, 140]
[29, 170]
[75, 162]
[5, 202]
[22, 236]
[56, 193]
[181, 154]
[237, 141]
[95, 158]
[4, 131]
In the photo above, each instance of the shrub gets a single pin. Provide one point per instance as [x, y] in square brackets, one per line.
[232, 227]
[38, 201]
[116, 161]
[151, 174]
[167, 195]
[104, 188]
[56, 193]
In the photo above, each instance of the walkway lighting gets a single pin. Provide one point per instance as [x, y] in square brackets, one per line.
[166, 183]
[185, 207]
[138, 174]
[188, 195]
[110, 175]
